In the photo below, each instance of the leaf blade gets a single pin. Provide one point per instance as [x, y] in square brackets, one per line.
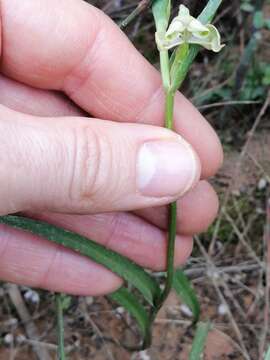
[199, 341]
[208, 13]
[126, 299]
[161, 11]
[120, 265]
[185, 291]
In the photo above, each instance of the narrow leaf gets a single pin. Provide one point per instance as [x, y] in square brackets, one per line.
[185, 291]
[126, 299]
[118, 264]
[199, 341]
[161, 11]
[208, 13]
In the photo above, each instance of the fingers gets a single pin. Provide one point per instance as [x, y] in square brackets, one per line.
[27, 259]
[32, 101]
[80, 57]
[197, 210]
[82, 165]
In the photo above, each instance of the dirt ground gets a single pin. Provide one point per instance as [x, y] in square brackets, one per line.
[230, 262]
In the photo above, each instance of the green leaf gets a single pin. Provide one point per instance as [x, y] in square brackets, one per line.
[177, 75]
[66, 301]
[185, 291]
[126, 299]
[199, 341]
[60, 306]
[120, 265]
[267, 355]
[208, 13]
[161, 11]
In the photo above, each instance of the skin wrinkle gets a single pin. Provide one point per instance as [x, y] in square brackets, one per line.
[88, 173]
[116, 224]
[45, 274]
[3, 247]
[119, 224]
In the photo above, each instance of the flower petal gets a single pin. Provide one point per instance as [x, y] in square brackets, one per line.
[214, 39]
[176, 27]
[196, 26]
[183, 11]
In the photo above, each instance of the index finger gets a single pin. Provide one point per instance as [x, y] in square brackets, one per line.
[71, 46]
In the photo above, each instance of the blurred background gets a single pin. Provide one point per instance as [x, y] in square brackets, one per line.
[230, 262]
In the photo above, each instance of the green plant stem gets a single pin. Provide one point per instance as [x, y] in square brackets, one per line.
[169, 111]
[170, 251]
[60, 328]
[169, 106]
[166, 79]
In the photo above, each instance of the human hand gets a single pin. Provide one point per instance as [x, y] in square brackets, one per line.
[106, 179]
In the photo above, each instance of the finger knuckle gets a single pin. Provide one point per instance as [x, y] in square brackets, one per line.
[87, 177]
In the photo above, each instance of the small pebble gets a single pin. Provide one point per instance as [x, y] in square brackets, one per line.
[262, 184]
[186, 310]
[144, 356]
[32, 296]
[89, 300]
[120, 310]
[8, 339]
[222, 309]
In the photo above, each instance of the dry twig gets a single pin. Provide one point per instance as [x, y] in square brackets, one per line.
[30, 327]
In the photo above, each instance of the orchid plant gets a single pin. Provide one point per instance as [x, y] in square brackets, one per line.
[187, 35]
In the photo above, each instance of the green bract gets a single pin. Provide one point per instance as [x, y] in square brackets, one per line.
[185, 29]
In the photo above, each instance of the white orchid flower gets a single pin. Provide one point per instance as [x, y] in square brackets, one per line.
[186, 29]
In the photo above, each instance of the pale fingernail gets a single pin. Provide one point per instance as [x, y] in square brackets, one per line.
[167, 168]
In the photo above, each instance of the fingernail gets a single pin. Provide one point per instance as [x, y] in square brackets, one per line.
[167, 168]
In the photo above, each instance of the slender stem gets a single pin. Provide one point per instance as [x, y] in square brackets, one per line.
[169, 107]
[169, 111]
[165, 72]
[60, 328]
[170, 251]
[172, 212]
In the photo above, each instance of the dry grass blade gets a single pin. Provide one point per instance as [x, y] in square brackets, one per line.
[30, 327]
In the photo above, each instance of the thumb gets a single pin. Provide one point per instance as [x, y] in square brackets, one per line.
[80, 165]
